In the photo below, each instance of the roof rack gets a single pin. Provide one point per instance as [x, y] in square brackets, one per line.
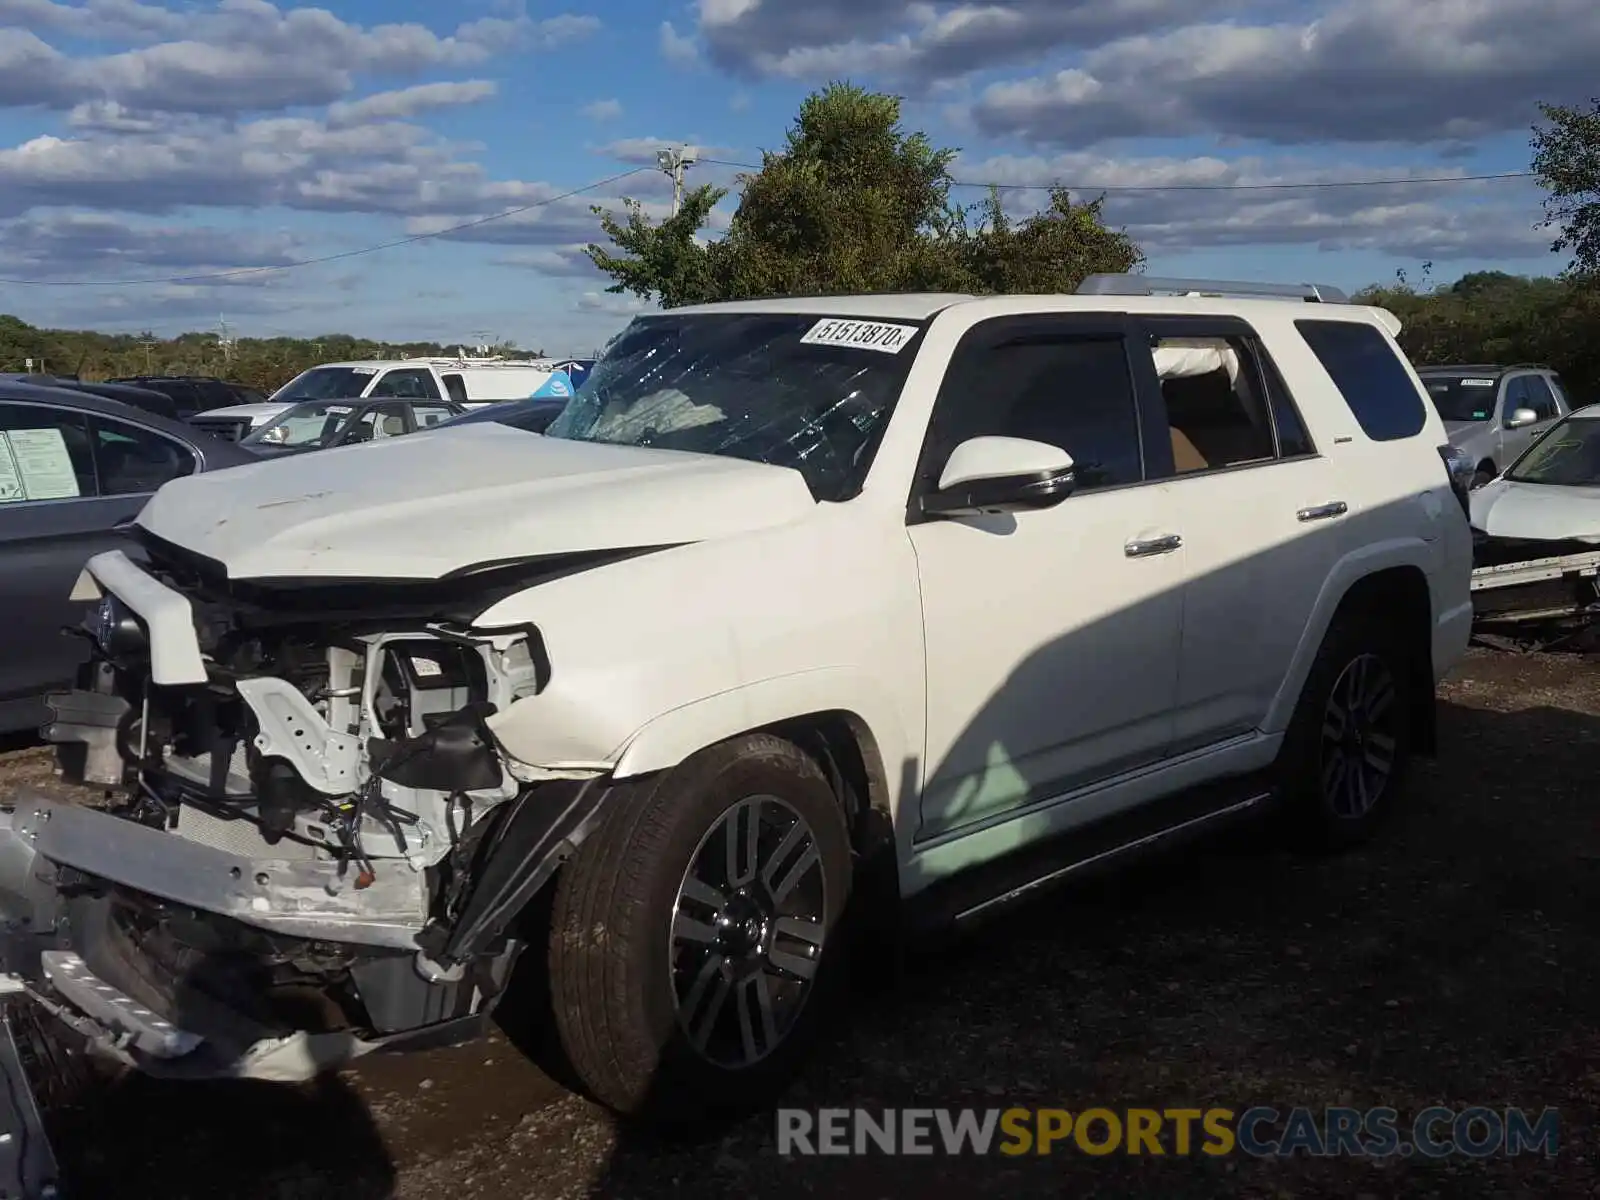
[1146, 285]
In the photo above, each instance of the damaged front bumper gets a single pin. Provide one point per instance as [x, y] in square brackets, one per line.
[1530, 589]
[319, 851]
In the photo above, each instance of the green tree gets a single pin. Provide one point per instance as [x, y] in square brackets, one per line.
[1566, 160]
[854, 203]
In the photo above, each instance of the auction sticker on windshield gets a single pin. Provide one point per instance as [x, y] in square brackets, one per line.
[1477, 383]
[860, 335]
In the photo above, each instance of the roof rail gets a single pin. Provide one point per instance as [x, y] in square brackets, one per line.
[1147, 285]
[1530, 367]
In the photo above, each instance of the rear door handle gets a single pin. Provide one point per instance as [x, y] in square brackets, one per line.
[1322, 512]
[1147, 547]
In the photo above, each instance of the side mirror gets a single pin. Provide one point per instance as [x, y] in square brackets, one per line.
[1001, 474]
[1521, 417]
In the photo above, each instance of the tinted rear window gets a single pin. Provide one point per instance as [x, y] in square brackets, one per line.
[1369, 375]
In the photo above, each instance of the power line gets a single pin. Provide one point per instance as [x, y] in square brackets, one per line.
[1310, 184]
[328, 258]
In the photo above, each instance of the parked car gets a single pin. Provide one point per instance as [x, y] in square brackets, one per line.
[323, 424]
[136, 397]
[1492, 412]
[238, 421]
[73, 467]
[467, 382]
[196, 393]
[901, 605]
[531, 415]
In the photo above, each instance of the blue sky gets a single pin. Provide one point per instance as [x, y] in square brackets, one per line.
[155, 139]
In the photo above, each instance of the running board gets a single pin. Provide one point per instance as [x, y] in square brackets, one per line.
[972, 896]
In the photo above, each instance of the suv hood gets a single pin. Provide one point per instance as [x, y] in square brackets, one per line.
[421, 507]
[1537, 511]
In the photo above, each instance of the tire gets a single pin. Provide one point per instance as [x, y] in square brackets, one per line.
[632, 935]
[1321, 793]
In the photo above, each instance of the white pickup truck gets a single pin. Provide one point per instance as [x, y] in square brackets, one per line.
[470, 382]
[808, 617]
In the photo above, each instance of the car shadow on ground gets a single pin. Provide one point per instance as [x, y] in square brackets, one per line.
[1453, 962]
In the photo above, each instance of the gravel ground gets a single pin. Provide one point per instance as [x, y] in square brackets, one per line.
[1456, 962]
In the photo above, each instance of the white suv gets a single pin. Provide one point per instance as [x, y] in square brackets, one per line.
[891, 605]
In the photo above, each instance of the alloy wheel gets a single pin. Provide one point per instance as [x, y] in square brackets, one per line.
[747, 932]
[1359, 737]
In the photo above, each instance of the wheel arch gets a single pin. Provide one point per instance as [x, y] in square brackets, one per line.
[1386, 585]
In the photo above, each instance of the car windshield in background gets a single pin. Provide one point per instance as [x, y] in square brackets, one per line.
[313, 423]
[803, 391]
[1567, 456]
[327, 383]
[1462, 397]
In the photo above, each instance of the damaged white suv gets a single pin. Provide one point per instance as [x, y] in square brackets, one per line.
[890, 605]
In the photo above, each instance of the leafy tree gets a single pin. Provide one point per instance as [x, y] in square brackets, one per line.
[1566, 160]
[265, 363]
[854, 203]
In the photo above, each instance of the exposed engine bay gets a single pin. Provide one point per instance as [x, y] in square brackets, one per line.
[319, 849]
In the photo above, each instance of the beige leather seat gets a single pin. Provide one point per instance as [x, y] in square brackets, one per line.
[1185, 457]
[391, 426]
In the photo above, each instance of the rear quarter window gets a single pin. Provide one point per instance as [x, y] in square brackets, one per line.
[1369, 375]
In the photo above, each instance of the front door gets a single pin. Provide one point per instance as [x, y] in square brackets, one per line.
[1051, 636]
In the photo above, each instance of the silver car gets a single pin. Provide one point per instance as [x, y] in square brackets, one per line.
[73, 467]
[1492, 412]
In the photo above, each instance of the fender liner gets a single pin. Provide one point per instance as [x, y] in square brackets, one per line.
[542, 829]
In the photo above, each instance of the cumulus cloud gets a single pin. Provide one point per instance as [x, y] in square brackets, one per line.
[74, 244]
[919, 42]
[1206, 202]
[411, 101]
[1365, 71]
[676, 49]
[249, 56]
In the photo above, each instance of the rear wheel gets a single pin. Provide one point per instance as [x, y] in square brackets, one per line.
[691, 953]
[1349, 743]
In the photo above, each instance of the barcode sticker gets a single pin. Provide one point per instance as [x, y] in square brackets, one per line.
[860, 335]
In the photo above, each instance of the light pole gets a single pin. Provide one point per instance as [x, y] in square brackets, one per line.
[673, 162]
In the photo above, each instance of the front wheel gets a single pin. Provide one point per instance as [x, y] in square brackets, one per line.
[1349, 743]
[691, 953]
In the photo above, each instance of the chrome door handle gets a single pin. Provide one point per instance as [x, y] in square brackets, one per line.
[1321, 512]
[1147, 547]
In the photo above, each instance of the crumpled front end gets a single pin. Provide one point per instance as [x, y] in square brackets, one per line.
[315, 848]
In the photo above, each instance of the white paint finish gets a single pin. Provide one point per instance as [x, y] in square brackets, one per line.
[1052, 655]
[819, 615]
[1537, 510]
[1253, 572]
[422, 507]
[1017, 675]
[1002, 458]
[174, 647]
[259, 414]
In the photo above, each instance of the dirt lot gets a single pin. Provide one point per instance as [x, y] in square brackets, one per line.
[1458, 962]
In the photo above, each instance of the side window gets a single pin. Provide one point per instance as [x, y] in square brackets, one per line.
[1540, 398]
[379, 421]
[1293, 439]
[1219, 409]
[1560, 390]
[407, 383]
[429, 414]
[132, 461]
[45, 454]
[1370, 377]
[1076, 393]
[457, 388]
[1516, 397]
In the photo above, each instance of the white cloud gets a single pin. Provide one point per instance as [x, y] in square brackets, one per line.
[411, 101]
[678, 50]
[602, 110]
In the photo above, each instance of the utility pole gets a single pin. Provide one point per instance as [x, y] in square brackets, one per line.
[673, 162]
[227, 343]
[147, 342]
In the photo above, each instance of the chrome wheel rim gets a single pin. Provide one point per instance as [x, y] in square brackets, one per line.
[747, 932]
[1359, 737]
